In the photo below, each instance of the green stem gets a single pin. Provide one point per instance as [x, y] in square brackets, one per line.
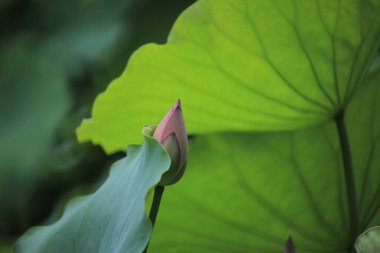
[350, 182]
[158, 192]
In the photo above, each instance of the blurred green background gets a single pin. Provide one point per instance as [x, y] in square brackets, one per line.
[55, 57]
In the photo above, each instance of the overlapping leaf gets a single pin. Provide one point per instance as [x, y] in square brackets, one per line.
[242, 65]
[249, 192]
[113, 219]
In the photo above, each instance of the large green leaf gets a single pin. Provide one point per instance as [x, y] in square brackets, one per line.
[363, 125]
[113, 219]
[249, 192]
[242, 65]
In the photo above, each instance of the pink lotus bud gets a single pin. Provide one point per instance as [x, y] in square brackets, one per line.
[171, 133]
[289, 246]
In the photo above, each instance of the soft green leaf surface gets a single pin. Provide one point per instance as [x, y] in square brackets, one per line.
[363, 123]
[369, 241]
[242, 65]
[113, 219]
[249, 192]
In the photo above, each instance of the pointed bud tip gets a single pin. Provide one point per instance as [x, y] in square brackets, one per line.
[172, 122]
[177, 103]
[176, 107]
[289, 246]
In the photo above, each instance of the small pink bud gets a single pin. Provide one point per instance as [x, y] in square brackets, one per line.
[171, 133]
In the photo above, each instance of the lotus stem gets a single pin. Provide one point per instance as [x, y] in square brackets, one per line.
[158, 192]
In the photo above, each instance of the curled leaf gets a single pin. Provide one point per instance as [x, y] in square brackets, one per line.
[369, 241]
[113, 219]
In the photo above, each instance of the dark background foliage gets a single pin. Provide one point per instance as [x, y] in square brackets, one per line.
[55, 57]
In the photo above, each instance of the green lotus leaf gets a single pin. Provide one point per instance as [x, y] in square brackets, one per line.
[249, 192]
[242, 66]
[113, 219]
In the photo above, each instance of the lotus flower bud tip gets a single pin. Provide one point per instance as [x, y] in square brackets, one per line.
[171, 133]
[289, 246]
